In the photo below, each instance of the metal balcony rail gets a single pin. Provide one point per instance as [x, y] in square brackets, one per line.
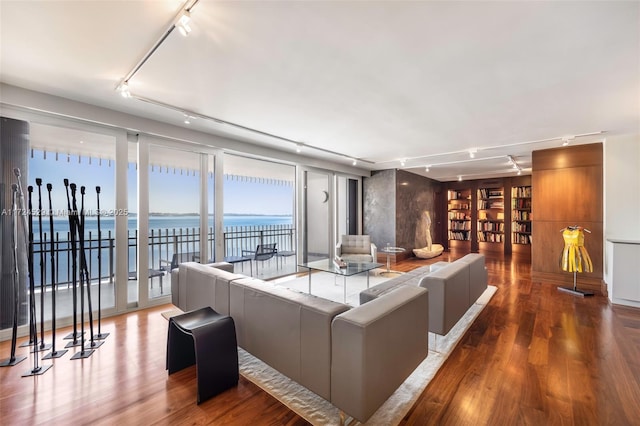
[163, 244]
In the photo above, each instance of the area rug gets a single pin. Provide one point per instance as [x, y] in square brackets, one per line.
[320, 412]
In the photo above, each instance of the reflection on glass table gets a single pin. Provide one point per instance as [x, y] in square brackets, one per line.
[328, 265]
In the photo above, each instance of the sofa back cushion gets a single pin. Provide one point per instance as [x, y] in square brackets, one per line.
[288, 330]
[356, 244]
[204, 285]
[448, 296]
[478, 279]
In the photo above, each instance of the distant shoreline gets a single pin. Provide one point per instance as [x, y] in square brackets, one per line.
[226, 214]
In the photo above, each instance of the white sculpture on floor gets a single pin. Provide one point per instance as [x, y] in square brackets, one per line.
[431, 250]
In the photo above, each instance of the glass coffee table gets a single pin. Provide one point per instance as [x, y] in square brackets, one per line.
[327, 265]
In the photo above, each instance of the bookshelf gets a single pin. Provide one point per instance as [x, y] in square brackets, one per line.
[521, 215]
[490, 206]
[459, 218]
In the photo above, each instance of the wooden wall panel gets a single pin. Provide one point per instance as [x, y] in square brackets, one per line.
[573, 194]
[567, 188]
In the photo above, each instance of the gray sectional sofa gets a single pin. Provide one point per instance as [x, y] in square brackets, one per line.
[453, 288]
[353, 357]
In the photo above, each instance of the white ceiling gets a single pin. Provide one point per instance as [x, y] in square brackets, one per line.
[380, 81]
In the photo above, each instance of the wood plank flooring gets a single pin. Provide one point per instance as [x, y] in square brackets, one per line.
[534, 356]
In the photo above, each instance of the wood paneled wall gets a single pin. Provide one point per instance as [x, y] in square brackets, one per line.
[567, 190]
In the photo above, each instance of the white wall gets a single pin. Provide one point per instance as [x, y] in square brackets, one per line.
[621, 192]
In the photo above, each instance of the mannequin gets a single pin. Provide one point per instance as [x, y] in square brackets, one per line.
[575, 256]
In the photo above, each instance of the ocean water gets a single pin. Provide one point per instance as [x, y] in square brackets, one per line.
[61, 224]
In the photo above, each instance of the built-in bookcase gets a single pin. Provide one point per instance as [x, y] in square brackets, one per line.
[459, 217]
[521, 215]
[491, 215]
[490, 206]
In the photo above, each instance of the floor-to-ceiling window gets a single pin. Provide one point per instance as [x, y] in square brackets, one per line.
[259, 205]
[71, 173]
[174, 214]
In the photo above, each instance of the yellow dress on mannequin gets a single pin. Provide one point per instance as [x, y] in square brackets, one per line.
[574, 256]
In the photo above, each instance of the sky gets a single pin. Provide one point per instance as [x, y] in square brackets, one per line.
[169, 192]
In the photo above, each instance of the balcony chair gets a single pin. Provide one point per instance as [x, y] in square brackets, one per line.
[179, 258]
[262, 253]
[356, 249]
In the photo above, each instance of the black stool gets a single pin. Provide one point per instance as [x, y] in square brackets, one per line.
[207, 339]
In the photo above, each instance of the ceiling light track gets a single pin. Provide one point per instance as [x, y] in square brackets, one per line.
[178, 21]
[181, 22]
[474, 151]
[449, 163]
[297, 145]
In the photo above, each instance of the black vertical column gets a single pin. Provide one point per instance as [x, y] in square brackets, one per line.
[14, 152]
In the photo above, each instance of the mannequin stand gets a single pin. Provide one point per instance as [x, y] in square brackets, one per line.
[575, 290]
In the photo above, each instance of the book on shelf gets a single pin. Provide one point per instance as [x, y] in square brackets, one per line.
[521, 192]
[490, 193]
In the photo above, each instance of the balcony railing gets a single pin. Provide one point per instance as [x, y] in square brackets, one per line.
[163, 244]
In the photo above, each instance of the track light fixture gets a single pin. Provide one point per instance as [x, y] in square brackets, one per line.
[183, 23]
[472, 153]
[514, 164]
[298, 148]
[354, 162]
[123, 88]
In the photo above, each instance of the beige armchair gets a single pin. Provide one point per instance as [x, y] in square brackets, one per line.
[356, 248]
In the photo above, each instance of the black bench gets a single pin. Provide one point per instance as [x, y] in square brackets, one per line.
[207, 339]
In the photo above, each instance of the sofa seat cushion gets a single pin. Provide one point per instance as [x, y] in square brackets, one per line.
[386, 286]
[357, 258]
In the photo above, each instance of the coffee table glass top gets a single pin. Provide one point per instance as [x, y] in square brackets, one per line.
[327, 265]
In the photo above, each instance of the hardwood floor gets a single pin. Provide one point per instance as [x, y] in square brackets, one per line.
[534, 356]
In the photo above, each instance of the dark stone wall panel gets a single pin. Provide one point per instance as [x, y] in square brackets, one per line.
[416, 195]
[379, 210]
[395, 202]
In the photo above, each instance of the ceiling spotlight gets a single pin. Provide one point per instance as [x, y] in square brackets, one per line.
[402, 163]
[460, 178]
[426, 169]
[472, 153]
[183, 23]
[565, 142]
[298, 148]
[354, 162]
[123, 88]
[514, 164]
[187, 119]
